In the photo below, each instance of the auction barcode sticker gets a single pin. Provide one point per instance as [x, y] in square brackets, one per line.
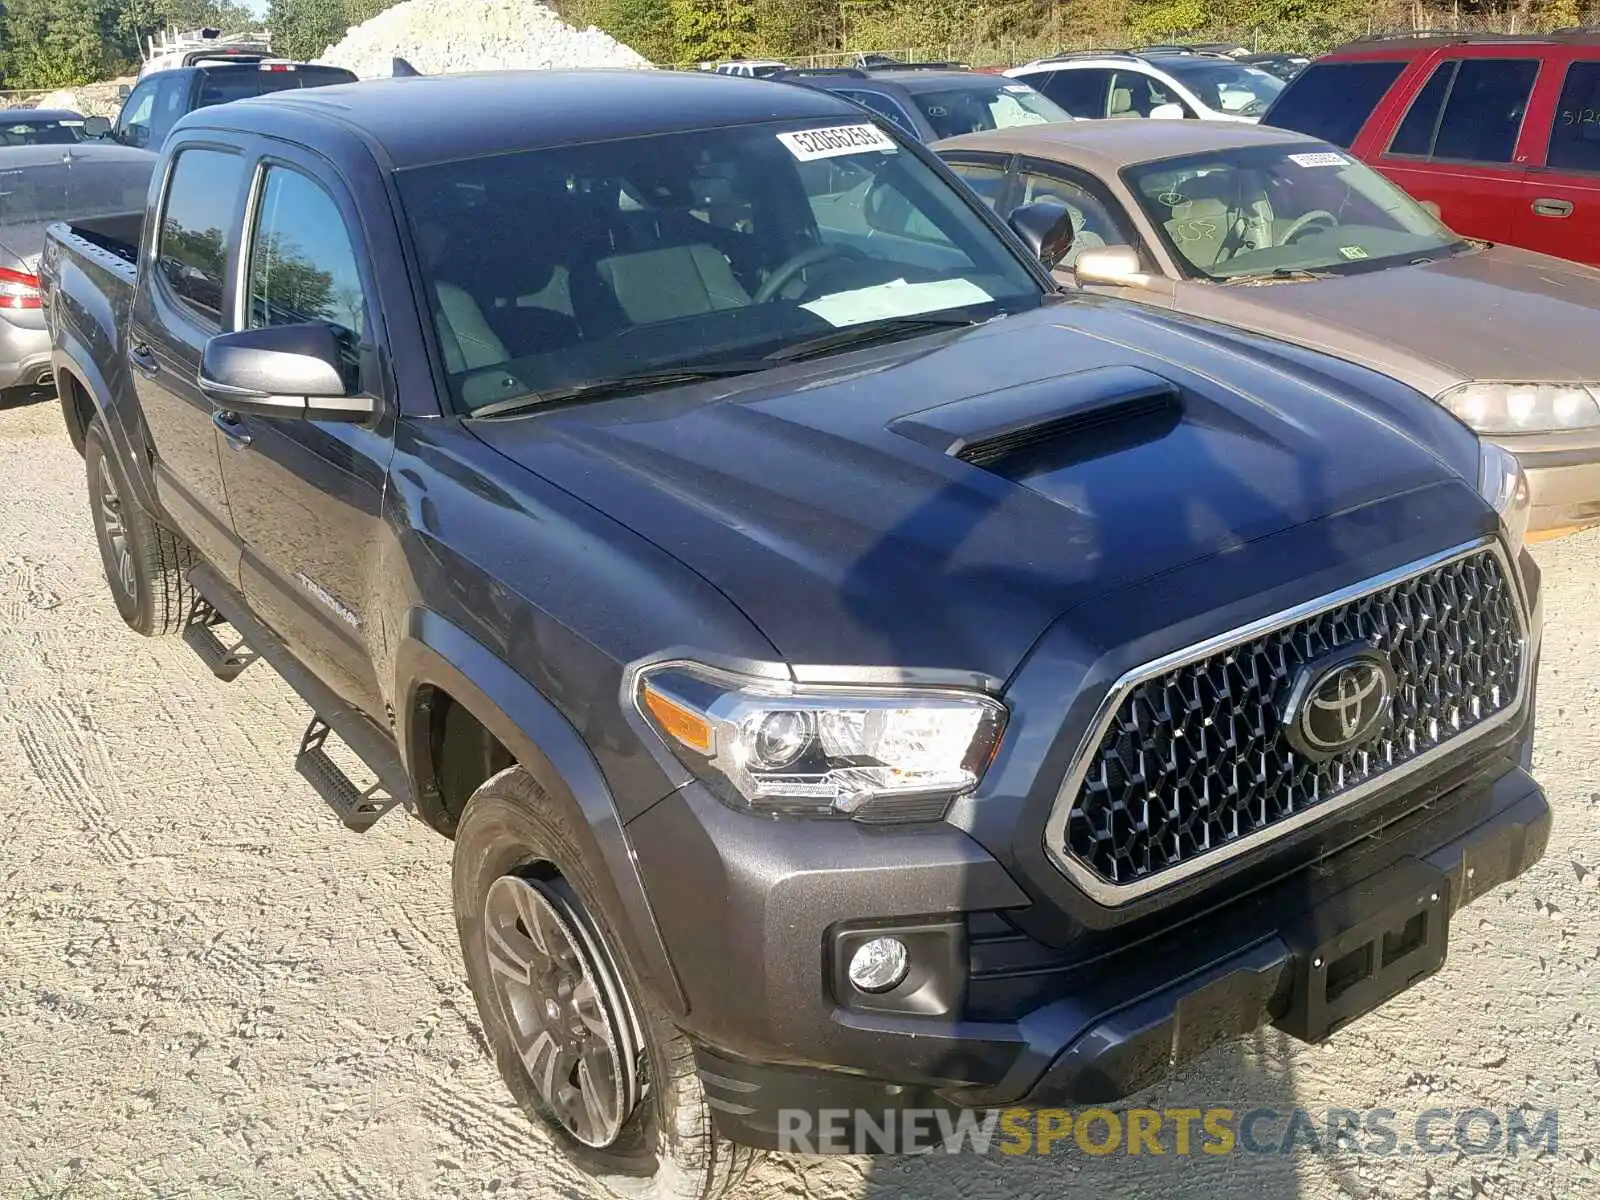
[810, 144]
[1318, 160]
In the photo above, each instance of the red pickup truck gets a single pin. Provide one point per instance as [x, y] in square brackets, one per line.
[1501, 133]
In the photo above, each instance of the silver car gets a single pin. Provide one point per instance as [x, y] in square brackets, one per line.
[40, 185]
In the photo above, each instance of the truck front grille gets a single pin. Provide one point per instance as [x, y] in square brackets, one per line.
[1189, 762]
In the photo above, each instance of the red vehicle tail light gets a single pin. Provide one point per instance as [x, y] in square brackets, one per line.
[19, 290]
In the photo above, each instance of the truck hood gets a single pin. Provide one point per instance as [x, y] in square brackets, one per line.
[827, 500]
[1496, 314]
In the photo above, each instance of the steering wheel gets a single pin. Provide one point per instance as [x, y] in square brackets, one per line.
[1301, 223]
[809, 257]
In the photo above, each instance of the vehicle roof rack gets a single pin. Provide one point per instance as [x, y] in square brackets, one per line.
[1069, 55]
[918, 66]
[1574, 33]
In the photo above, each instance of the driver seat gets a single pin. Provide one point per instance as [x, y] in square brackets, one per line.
[465, 338]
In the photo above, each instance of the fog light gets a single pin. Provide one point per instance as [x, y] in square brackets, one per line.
[879, 965]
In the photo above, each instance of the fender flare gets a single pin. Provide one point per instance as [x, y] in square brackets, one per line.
[70, 358]
[433, 651]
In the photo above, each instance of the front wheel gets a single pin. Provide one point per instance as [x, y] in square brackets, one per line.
[146, 565]
[579, 1045]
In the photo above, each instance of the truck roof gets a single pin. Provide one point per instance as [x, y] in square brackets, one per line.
[436, 118]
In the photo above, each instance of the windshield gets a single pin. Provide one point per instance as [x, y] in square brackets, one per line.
[1225, 87]
[554, 268]
[976, 109]
[1298, 207]
[55, 132]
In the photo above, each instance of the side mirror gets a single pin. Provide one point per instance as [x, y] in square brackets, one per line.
[1167, 112]
[96, 127]
[1046, 229]
[122, 91]
[1116, 265]
[281, 371]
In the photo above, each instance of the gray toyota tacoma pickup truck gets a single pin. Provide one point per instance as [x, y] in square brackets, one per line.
[855, 675]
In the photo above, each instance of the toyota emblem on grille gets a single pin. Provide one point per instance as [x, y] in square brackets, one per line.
[1339, 701]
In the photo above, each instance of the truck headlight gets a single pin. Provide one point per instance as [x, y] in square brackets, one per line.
[1502, 483]
[871, 753]
[1505, 408]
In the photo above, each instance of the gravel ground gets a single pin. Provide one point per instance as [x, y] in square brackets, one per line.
[208, 989]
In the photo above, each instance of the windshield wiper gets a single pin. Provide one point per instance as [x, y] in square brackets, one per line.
[1278, 275]
[616, 385]
[866, 333]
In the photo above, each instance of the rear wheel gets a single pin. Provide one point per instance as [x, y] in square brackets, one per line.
[578, 1043]
[146, 565]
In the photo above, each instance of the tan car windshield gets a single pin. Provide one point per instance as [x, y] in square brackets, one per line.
[1263, 209]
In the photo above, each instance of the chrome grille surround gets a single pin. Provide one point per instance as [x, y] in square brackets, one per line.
[1228, 814]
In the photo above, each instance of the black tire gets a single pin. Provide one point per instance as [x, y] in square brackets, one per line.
[667, 1148]
[146, 565]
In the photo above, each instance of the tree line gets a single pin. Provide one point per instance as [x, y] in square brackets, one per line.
[690, 31]
[59, 43]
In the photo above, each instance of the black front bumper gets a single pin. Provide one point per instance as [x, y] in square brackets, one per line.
[1265, 959]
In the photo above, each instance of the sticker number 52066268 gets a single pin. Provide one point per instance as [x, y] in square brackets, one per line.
[809, 144]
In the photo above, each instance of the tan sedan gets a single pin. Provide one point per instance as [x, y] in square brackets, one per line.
[1265, 230]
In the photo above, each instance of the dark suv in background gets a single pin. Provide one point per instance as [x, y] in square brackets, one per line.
[154, 106]
[929, 101]
[1500, 133]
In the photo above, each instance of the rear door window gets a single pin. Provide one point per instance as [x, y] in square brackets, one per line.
[1415, 135]
[1082, 92]
[1135, 94]
[192, 254]
[1575, 136]
[1483, 113]
[1332, 101]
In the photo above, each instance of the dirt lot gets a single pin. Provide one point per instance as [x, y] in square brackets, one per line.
[207, 989]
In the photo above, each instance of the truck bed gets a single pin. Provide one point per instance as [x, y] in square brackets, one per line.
[117, 235]
[87, 274]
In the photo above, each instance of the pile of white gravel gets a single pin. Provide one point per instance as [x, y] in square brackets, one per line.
[448, 36]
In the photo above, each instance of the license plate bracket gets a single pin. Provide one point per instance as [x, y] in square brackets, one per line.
[1364, 946]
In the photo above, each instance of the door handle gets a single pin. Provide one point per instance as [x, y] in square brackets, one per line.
[1546, 207]
[231, 428]
[144, 358]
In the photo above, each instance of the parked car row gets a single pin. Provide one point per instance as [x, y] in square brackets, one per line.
[857, 673]
[1289, 234]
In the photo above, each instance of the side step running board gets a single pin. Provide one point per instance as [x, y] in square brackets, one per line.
[224, 662]
[358, 809]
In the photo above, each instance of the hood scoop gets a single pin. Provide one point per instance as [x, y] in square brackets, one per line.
[1050, 423]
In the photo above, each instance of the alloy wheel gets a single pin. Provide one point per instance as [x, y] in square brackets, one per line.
[114, 530]
[571, 1022]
